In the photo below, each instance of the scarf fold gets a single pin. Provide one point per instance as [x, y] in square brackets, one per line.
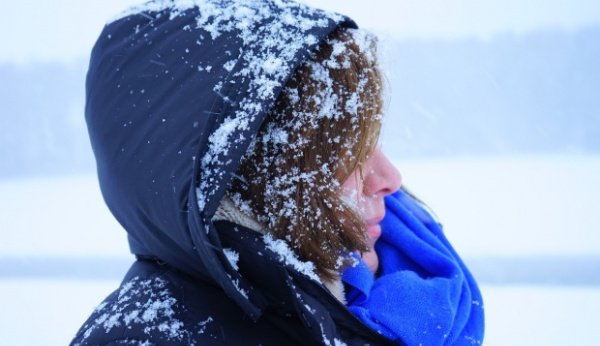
[423, 294]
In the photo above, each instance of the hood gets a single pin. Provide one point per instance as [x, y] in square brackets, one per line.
[175, 93]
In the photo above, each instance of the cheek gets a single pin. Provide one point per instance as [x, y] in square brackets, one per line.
[352, 190]
[368, 207]
[357, 199]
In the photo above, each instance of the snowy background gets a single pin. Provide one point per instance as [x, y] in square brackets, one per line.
[493, 119]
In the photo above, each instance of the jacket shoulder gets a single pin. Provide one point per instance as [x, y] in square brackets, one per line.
[147, 310]
[156, 305]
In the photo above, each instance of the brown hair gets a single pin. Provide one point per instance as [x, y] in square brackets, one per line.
[324, 124]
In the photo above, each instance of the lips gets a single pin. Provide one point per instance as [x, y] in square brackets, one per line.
[374, 221]
[373, 228]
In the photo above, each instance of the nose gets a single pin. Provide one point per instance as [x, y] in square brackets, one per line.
[383, 178]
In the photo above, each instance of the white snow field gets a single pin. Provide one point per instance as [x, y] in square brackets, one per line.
[528, 226]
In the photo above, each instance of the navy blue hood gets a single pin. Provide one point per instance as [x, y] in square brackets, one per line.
[176, 91]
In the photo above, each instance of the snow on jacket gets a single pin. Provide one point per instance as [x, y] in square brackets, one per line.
[176, 91]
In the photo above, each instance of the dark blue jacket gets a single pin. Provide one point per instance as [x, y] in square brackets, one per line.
[176, 91]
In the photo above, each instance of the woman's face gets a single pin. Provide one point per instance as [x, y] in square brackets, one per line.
[379, 179]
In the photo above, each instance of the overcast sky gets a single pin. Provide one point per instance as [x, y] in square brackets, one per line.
[64, 30]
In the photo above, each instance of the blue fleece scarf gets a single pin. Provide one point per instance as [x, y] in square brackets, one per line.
[423, 294]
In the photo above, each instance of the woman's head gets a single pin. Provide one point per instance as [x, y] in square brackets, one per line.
[323, 129]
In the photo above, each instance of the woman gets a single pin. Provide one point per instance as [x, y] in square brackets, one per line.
[236, 144]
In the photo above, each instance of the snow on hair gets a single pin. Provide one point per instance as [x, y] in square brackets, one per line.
[324, 124]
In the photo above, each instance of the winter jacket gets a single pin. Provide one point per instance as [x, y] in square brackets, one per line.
[175, 93]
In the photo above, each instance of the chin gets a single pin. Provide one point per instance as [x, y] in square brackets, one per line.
[371, 260]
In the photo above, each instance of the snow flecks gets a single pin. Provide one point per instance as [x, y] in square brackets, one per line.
[287, 256]
[338, 58]
[202, 325]
[233, 257]
[365, 42]
[219, 143]
[276, 136]
[272, 64]
[309, 309]
[147, 303]
[353, 104]
[265, 59]
[236, 284]
[173, 328]
[155, 308]
[100, 307]
[132, 316]
[221, 137]
[243, 206]
[229, 65]
[338, 342]
[113, 321]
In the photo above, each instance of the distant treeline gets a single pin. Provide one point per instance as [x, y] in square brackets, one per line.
[538, 93]
[535, 93]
